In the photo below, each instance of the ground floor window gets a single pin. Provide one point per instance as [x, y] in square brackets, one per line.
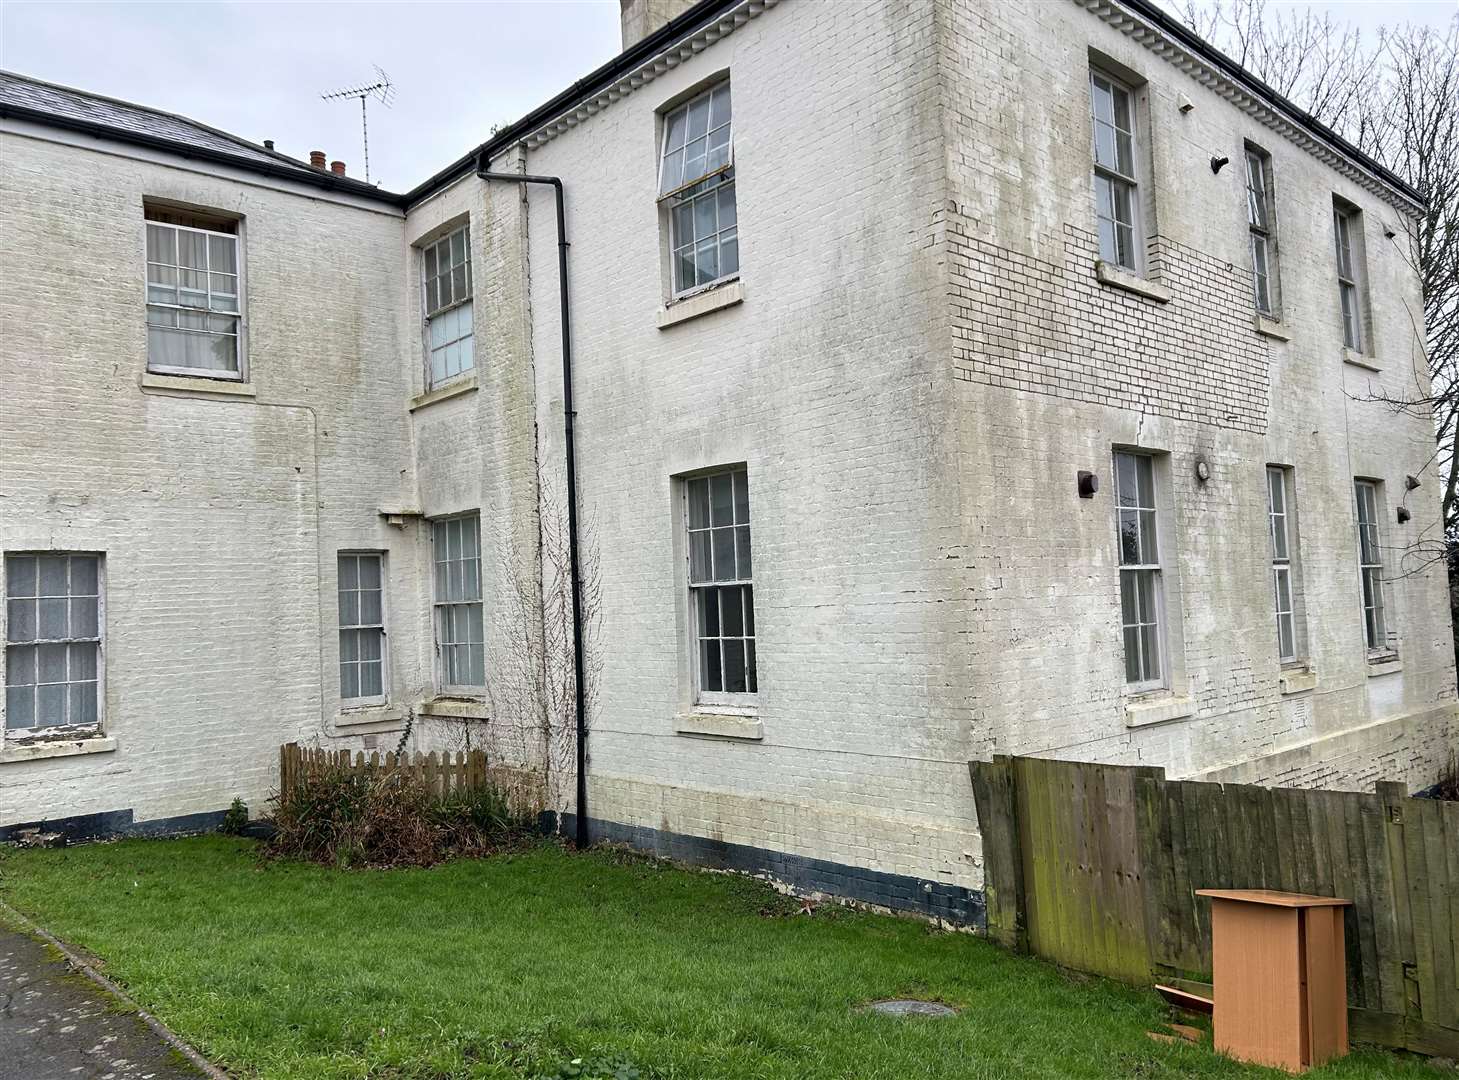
[460, 636]
[53, 641]
[721, 586]
[361, 627]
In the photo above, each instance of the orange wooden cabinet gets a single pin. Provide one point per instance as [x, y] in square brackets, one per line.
[1280, 977]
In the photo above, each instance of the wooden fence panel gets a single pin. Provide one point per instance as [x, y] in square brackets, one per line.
[442, 777]
[1096, 868]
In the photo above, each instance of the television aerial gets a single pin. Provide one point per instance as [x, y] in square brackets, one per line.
[381, 89]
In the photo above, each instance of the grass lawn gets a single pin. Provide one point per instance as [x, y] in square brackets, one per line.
[509, 966]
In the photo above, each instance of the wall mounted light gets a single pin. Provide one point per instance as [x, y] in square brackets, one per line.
[1410, 482]
[1088, 485]
[1183, 103]
[1219, 163]
[1403, 514]
[1203, 470]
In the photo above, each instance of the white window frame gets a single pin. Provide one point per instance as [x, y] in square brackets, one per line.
[1112, 175]
[466, 300]
[706, 583]
[441, 609]
[363, 700]
[1263, 242]
[1368, 499]
[1140, 519]
[1284, 569]
[713, 185]
[24, 735]
[1347, 220]
[240, 338]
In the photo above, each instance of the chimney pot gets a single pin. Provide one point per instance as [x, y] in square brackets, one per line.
[337, 167]
[268, 144]
[316, 158]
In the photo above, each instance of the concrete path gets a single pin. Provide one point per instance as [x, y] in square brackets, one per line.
[55, 1025]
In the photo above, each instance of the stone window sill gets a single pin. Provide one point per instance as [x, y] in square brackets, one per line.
[368, 714]
[1157, 709]
[1360, 360]
[1115, 278]
[39, 749]
[1384, 665]
[1271, 328]
[455, 708]
[444, 393]
[1297, 680]
[721, 725]
[691, 307]
[198, 386]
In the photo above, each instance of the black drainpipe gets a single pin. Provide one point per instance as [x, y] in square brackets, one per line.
[572, 483]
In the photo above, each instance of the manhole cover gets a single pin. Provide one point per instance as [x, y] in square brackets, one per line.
[912, 1008]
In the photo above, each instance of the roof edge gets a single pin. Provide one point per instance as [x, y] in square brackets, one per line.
[701, 14]
[1188, 39]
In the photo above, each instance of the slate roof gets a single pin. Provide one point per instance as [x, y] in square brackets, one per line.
[27, 98]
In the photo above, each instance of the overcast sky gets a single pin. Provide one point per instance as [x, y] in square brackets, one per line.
[257, 69]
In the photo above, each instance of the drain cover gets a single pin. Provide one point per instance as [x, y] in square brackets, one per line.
[912, 1008]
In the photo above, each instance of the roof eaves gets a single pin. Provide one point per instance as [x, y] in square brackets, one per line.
[696, 18]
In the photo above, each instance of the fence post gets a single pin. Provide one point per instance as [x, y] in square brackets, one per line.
[995, 795]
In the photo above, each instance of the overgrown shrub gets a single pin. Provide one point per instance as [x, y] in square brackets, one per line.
[235, 818]
[342, 818]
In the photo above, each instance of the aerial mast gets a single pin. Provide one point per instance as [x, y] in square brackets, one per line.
[382, 90]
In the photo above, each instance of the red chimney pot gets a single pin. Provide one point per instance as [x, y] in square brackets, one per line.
[316, 158]
[337, 167]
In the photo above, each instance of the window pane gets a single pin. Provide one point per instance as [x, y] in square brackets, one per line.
[731, 612]
[52, 576]
[221, 254]
[370, 613]
[349, 608]
[1150, 651]
[83, 617]
[372, 679]
[749, 591]
[20, 620]
[706, 218]
[1129, 521]
[727, 212]
[710, 676]
[50, 705]
[734, 666]
[20, 575]
[708, 601]
[19, 707]
[750, 677]
[84, 575]
[719, 108]
[53, 621]
[699, 561]
[1132, 655]
[369, 641]
[474, 626]
[729, 254]
[742, 547]
[698, 118]
[1149, 553]
[724, 554]
[20, 665]
[349, 680]
[1286, 641]
[349, 575]
[722, 500]
[476, 657]
[698, 503]
[83, 660]
[1129, 600]
[674, 136]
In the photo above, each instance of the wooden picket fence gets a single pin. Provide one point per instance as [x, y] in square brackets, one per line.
[1096, 866]
[441, 774]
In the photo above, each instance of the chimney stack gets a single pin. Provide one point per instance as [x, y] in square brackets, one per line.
[268, 144]
[640, 18]
[337, 167]
[316, 158]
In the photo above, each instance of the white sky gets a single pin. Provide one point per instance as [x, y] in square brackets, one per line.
[257, 69]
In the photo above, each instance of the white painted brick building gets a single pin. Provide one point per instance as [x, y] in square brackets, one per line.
[909, 343]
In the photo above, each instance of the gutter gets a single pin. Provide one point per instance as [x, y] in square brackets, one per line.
[702, 13]
[301, 173]
[482, 168]
[1189, 39]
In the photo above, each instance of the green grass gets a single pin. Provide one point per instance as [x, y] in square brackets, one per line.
[508, 966]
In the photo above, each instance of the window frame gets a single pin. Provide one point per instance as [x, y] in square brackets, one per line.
[1284, 561]
[21, 736]
[434, 243]
[1262, 230]
[1371, 569]
[241, 338]
[698, 591]
[438, 607]
[705, 186]
[1148, 575]
[1347, 220]
[364, 700]
[1111, 175]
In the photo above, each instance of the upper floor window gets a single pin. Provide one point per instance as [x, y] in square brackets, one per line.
[697, 184]
[1347, 224]
[194, 309]
[1116, 189]
[1285, 581]
[460, 637]
[1259, 223]
[446, 287]
[53, 635]
[721, 587]
[361, 627]
[1141, 598]
[1370, 566]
